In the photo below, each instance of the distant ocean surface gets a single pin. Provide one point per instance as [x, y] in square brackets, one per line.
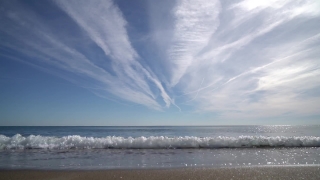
[158, 147]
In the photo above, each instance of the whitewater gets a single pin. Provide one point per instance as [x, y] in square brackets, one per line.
[153, 142]
[158, 147]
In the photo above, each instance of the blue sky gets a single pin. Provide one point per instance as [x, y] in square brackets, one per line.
[103, 62]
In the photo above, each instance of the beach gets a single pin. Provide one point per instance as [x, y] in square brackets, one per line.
[163, 89]
[262, 172]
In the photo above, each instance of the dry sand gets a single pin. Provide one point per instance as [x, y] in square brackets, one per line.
[275, 172]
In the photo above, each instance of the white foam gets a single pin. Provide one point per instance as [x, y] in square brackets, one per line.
[153, 142]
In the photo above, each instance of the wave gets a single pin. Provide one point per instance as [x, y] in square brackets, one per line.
[153, 142]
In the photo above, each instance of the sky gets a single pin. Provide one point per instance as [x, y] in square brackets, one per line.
[169, 62]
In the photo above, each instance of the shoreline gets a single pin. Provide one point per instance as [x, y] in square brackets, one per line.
[255, 172]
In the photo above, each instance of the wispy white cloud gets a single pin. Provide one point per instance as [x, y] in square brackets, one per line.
[259, 62]
[194, 23]
[105, 25]
[245, 58]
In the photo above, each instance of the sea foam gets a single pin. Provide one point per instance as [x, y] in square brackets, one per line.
[153, 142]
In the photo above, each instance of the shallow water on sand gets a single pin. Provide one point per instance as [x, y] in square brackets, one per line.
[156, 158]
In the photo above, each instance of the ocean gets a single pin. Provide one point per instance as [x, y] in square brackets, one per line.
[88, 148]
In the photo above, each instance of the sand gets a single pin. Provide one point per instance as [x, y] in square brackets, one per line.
[274, 172]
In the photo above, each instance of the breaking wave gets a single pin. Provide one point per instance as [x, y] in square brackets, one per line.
[153, 142]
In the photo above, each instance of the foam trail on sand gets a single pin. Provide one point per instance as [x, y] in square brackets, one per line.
[153, 142]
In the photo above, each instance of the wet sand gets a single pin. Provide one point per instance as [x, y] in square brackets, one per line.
[274, 172]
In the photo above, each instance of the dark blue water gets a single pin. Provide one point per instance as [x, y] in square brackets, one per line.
[171, 131]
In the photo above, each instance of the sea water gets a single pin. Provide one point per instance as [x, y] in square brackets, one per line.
[158, 147]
